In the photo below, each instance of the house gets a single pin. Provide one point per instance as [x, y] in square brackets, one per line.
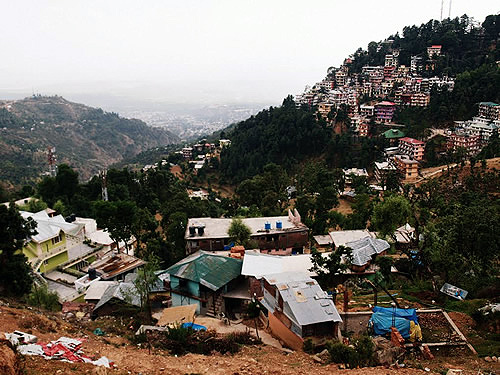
[297, 308]
[404, 236]
[114, 266]
[269, 233]
[411, 147]
[393, 134]
[119, 299]
[367, 110]
[323, 242]
[343, 237]
[96, 290]
[202, 279]
[384, 111]
[461, 140]
[356, 172]
[382, 169]
[187, 152]
[434, 50]
[489, 110]
[224, 143]
[407, 166]
[365, 250]
[49, 247]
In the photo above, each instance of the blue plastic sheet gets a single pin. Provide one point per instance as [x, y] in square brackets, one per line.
[382, 324]
[410, 314]
[196, 327]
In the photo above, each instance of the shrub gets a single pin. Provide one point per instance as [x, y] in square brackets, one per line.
[361, 354]
[308, 346]
[41, 296]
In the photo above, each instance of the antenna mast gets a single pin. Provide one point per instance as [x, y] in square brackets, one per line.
[441, 16]
[102, 175]
[51, 158]
[449, 11]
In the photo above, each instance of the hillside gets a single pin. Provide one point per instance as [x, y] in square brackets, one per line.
[86, 138]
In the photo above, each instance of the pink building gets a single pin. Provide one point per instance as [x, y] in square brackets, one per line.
[384, 111]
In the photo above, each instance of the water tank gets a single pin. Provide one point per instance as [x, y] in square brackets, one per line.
[279, 225]
[92, 274]
[201, 230]
[192, 231]
[267, 226]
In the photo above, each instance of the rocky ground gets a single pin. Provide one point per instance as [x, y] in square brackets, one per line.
[134, 359]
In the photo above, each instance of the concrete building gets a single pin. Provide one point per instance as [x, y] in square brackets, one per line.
[407, 166]
[470, 143]
[384, 111]
[489, 110]
[269, 233]
[297, 308]
[412, 147]
[434, 50]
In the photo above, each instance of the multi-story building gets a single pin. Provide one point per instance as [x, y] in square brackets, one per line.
[382, 169]
[407, 166]
[391, 60]
[489, 110]
[366, 110]
[384, 111]
[470, 143]
[411, 147]
[187, 152]
[420, 99]
[434, 50]
[415, 64]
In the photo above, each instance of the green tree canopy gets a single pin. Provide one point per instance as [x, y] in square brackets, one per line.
[239, 232]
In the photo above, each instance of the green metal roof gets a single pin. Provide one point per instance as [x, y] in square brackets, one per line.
[489, 104]
[210, 270]
[393, 133]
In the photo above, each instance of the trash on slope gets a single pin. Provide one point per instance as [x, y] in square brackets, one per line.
[64, 349]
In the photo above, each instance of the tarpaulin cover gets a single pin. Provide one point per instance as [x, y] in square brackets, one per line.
[382, 324]
[410, 314]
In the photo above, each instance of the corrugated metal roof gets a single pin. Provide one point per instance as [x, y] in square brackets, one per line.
[50, 227]
[362, 250]
[308, 303]
[126, 292]
[210, 270]
[342, 237]
[97, 289]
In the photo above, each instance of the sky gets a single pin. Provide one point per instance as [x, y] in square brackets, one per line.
[195, 50]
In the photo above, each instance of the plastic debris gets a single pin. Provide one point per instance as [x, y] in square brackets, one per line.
[99, 332]
[18, 337]
[63, 349]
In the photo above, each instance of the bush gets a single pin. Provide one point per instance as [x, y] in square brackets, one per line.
[179, 340]
[359, 355]
[41, 296]
[308, 346]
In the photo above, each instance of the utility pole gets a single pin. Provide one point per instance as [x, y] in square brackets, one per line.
[102, 175]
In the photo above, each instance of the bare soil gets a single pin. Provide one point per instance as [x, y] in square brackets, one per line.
[134, 359]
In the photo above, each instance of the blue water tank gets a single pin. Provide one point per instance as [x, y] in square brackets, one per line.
[267, 226]
[279, 225]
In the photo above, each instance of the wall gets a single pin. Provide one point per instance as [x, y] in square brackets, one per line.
[53, 262]
[178, 300]
[282, 332]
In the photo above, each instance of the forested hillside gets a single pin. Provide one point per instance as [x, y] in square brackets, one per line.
[87, 138]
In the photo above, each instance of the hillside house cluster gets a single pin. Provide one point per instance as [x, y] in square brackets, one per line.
[402, 85]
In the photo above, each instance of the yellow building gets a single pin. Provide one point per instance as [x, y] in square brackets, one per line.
[48, 248]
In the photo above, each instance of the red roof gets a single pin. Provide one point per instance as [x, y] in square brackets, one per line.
[436, 46]
[385, 103]
[411, 140]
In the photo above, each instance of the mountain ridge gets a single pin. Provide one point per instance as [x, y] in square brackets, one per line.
[87, 138]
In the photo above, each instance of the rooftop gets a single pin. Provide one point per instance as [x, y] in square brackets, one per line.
[210, 270]
[218, 227]
[412, 141]
[116, 264]
[308, 303]
[50, 227]
[363, 249]
[126, 292]
[342, 237]
[393, 133]
[489, 104]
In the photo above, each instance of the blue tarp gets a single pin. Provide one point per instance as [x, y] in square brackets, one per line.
[382, 324]
[196, 327]
[410, 314]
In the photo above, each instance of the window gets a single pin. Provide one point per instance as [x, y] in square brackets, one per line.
[57, 239]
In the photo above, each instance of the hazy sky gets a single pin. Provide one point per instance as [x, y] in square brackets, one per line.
[204, 50]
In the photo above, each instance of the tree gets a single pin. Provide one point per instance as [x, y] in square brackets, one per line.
[34, 205]
[146, 280]
[15, 276]
[390, 214]
[239, 232]
[330, 266]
